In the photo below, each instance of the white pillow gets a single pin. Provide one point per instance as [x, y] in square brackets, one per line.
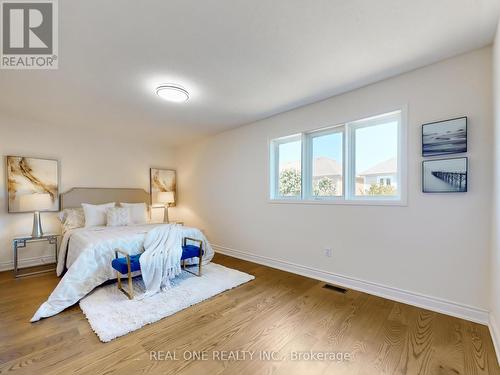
[138, 212]
[118, 216]
[96, 214]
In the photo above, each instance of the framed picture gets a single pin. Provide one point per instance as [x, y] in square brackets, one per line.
[161, 181]
[445, 175]
[27, 177]
[444, 137]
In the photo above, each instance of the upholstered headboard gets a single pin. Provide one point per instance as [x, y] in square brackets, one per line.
[76, 196]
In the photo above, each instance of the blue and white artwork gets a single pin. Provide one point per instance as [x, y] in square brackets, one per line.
[444, 137]
[444, 175]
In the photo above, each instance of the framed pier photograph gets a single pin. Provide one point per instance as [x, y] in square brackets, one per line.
[445, 175]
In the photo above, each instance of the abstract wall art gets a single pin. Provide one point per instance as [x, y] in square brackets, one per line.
[161, 180]
[28, 176]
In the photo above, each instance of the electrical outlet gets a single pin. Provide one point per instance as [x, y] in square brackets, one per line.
[328, 252]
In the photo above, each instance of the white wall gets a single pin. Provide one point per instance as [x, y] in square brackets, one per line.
[437, 246]
[495, 255]
[86, 159]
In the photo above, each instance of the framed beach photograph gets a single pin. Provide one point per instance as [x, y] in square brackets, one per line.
[444, 137]
[32, 178]
[445, 175]
[162, 181]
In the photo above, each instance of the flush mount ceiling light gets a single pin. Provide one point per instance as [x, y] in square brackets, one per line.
[172, 93]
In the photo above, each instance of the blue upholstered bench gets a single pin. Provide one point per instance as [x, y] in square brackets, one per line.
[130, 263]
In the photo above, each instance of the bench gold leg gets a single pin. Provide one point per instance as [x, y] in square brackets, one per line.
[200, 260]
[130, 292]
[130, 287]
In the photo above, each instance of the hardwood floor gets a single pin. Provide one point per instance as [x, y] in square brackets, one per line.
[278, 314]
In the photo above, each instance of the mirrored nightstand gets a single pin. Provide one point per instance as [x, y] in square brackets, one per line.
[20, 242]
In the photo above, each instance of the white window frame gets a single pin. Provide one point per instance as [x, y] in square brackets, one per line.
[308, 160]
[348, 164]
[274, 161]
[369, 122]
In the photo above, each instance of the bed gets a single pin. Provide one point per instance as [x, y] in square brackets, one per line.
[85, 255]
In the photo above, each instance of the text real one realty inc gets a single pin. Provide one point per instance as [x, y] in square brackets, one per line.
[248, 355]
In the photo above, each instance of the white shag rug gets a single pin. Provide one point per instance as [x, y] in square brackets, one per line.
[111, 314]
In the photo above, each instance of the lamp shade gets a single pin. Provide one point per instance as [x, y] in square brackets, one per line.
[166, 197]
[35, 202]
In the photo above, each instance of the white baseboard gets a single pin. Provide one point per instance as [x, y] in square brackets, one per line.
[27, 262]
[495, 335]
[443, 306]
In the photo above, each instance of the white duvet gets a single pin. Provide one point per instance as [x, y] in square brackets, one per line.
[87, 254]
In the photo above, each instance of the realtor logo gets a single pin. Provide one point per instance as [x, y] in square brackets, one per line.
[29, 34]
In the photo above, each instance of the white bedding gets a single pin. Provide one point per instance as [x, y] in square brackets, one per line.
[87, 254]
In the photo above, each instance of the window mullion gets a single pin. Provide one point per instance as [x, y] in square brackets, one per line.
[276, 169]
[306, 166]
[349, 156]
[345, 160]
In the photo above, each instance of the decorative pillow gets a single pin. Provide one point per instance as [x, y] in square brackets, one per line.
[118, 216]
[138, 212]
[96, 214]
[72, 218]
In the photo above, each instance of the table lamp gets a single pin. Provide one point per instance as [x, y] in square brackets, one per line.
[35, 202]
[166, 198]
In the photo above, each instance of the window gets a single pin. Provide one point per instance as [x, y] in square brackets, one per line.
[375, 142]
[356, 161]
[327, 164]
[288, 165]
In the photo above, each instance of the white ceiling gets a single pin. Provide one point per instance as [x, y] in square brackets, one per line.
[241, 60]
